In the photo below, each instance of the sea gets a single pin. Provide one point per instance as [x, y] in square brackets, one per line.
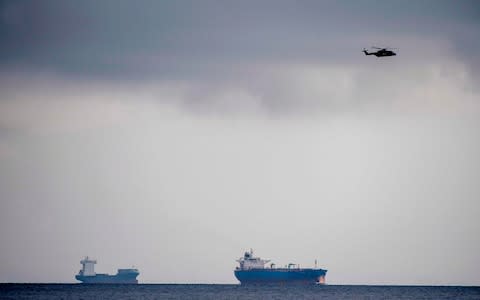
[220, 291]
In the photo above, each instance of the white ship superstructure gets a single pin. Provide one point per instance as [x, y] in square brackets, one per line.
[88, 267]
[248, 261]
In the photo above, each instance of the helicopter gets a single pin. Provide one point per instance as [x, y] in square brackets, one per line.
[381, 52]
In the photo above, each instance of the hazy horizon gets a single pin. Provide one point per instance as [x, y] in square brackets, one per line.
[175, 135]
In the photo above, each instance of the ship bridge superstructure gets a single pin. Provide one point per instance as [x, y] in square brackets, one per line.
[248, 261]
[88, 267]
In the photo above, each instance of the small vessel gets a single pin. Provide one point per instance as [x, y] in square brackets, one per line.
[87, 274]
[252, 270]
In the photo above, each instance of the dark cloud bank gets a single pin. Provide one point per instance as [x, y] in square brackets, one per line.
[177, 38]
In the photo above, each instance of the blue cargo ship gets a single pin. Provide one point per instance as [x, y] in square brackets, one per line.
[252, 270]
[87, 274]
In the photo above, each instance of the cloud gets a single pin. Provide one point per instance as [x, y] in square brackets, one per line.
[115, 39]
[273, 58]
[48, 101]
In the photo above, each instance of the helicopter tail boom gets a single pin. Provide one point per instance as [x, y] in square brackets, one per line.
[366, 53]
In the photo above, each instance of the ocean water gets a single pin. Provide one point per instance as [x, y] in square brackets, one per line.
[211, 291]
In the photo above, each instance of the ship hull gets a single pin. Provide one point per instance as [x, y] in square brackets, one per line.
[281, 276]
[109, 279]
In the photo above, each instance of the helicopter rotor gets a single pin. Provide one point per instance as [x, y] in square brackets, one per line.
[374, 47]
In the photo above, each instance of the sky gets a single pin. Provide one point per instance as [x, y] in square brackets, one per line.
[175, 135]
